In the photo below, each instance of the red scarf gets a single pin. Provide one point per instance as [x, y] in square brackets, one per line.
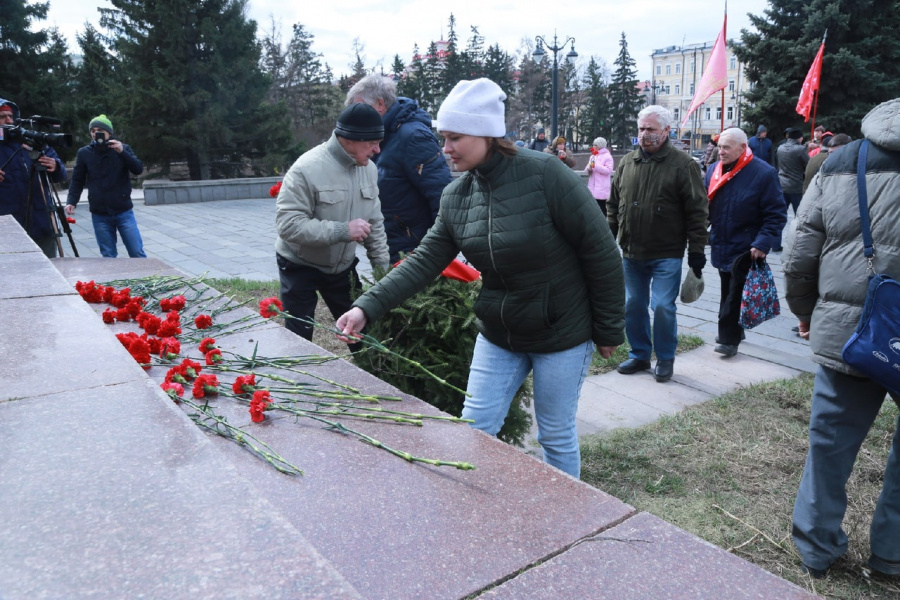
[719, 179]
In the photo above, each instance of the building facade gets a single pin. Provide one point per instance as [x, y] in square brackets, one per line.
[676, 73]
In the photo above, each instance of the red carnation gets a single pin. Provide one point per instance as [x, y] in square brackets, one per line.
[174, 375]
[168, 329]
[173, 303]
[109, 316]
[123, 315]
[270, 307]
[189, 369]
[214, 356]
[207, 344]
[203, 321]
[173, 389]
[273, 191]
[140, 350]
[134, 307]
[171, 348]
[108, 294]
[205, 385]
[174, 317]
[154, 342]
[261, 399]
[244, 384]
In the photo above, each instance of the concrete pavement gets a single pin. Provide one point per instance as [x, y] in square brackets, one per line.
[235, 238]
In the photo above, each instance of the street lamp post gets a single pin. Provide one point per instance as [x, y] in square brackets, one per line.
[738, 107]
[539, 55]
[654, 89]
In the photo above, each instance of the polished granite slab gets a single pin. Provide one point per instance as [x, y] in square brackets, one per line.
[113, 476]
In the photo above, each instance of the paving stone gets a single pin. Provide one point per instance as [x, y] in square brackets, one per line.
[643, 558]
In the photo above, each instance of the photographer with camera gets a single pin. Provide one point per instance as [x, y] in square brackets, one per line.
[17, 178]
[106, 165]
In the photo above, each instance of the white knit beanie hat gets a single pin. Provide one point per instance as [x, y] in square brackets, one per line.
[473, 108]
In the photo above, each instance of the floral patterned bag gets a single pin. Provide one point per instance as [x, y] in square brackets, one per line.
[759, 301]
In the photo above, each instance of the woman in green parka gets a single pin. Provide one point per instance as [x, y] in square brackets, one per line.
[552, 284]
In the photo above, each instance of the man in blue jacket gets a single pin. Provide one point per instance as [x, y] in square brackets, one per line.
[106, 166]
[17, 178]
[761, 145]
[747, 214]
[412, 171]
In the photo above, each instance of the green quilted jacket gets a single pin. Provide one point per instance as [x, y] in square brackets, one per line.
[551, 272]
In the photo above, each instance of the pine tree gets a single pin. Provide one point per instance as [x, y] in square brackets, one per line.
[34, 64]
[92, 87]
[596, 113]
[624, 99]
[860, 69]
[190, 87]
[436, 328]
[530, 106]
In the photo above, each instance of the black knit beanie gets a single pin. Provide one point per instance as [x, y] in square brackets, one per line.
[360, 122]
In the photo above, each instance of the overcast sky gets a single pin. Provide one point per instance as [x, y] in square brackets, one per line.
[389, 28]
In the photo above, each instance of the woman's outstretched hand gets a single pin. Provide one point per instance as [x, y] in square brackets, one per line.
[351, 324]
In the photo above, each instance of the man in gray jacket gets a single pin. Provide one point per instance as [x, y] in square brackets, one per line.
[826, 277]
[792, 160]
[328, 204]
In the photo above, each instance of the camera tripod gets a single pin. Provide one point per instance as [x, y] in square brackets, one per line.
[55, 209]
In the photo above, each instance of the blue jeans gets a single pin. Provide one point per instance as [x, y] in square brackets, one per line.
[653, 283]
[495, 377]
[105, 227]
[843, 410]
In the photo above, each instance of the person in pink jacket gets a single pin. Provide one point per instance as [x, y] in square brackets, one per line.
[600, 169]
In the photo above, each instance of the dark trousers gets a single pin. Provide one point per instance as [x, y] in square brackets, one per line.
[730, 329]
[299, 285]
[793, 201]
[602, 204]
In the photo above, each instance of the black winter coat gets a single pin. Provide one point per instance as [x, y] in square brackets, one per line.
[108, 177]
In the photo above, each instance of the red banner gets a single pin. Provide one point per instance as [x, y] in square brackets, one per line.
[810, 85]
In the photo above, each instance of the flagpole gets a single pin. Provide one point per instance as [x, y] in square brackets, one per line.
[722, 112]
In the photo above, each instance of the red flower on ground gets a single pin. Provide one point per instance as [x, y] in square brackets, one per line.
[203, 322]
[188, 369]
[273, 191]
[244, 384]
[134, 306]
[173, 303]
[174, 375]
[174, 317]
[168, 329]
[149, 323]
[109, 316]
[205, 385]
[108, 292]
[171, 348]
[154, 342]
[261, 399]
[140, 351]
[214, 356]
[120, 299]
[123, 315]
[270, 307]
[207, 344]
[173, 389]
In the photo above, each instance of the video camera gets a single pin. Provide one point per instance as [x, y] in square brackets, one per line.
[36, 139]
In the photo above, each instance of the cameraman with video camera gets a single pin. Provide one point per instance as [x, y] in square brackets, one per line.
[106, 165]
[16, 176]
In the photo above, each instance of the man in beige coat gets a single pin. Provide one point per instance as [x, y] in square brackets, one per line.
[328, 204]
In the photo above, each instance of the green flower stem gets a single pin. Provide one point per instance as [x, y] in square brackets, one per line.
[341, 428]
[207, 419]
[378, 409]
[375, 344]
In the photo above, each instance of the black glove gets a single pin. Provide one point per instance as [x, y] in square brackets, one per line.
[696, 261]
[614, 229]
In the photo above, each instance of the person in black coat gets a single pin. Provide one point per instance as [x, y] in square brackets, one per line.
[106, 166]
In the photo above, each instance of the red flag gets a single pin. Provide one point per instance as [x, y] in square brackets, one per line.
[810, 85]
[715, 77]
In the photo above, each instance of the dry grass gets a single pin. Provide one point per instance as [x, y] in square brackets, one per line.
[728, 471]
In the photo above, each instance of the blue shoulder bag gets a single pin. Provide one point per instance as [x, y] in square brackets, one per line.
[874, 348]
